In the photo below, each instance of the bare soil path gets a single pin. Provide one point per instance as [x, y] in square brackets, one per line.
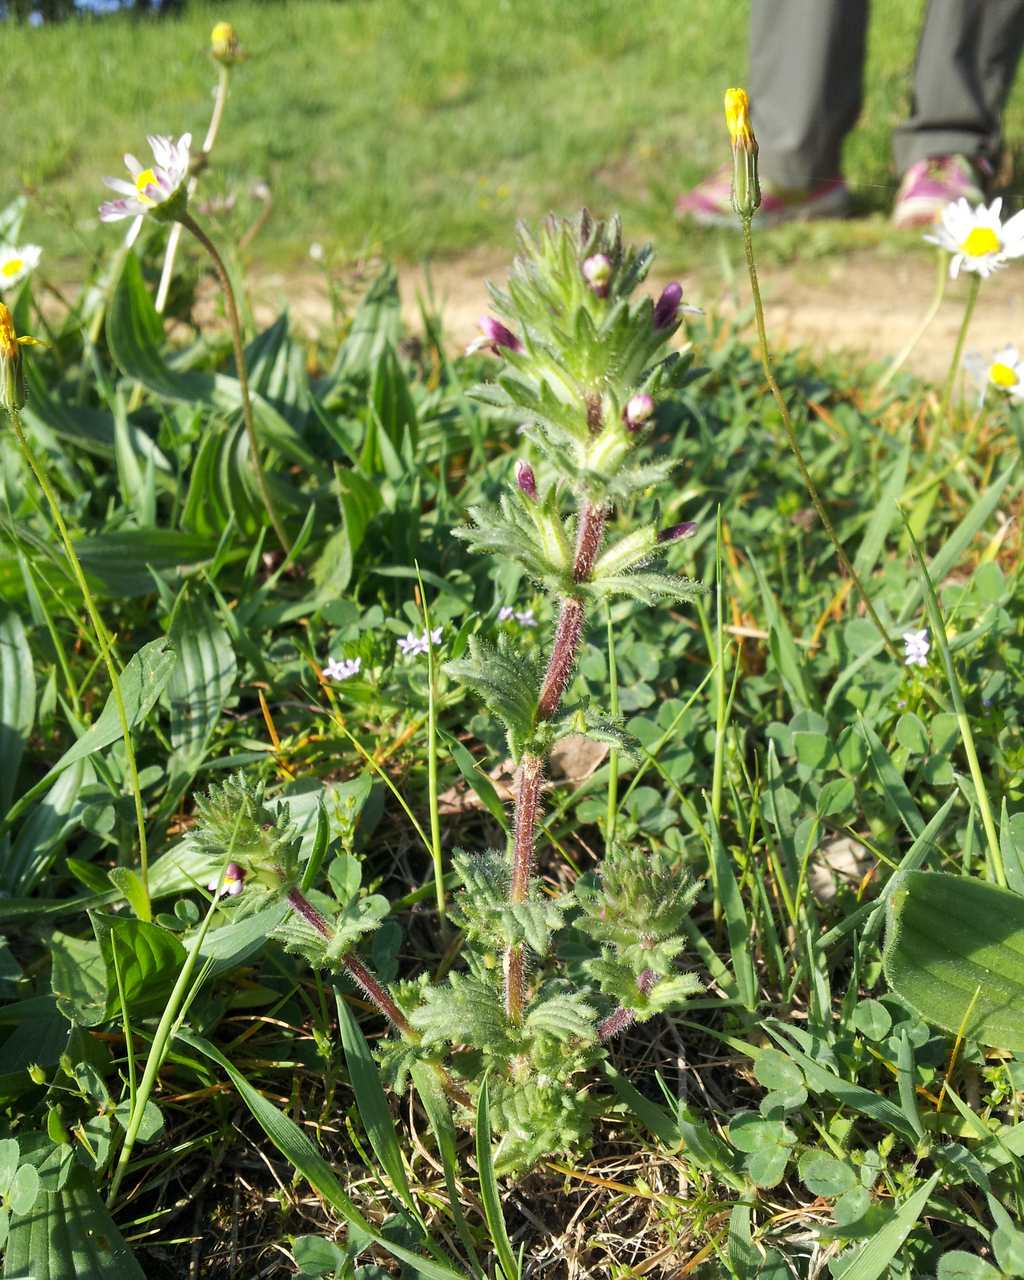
[864, 303]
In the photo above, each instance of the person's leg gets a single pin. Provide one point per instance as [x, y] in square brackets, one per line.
[806, 72]
[966, 59]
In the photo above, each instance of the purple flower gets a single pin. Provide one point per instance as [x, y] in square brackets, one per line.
[676, 531]
[667, 307]
[505, 613]
[231, 883]
[916, 644]
[526, 618]
[526, 480]
[637, 411]
[494, 336]
[597, 271]
[343, 670]
[412, 644]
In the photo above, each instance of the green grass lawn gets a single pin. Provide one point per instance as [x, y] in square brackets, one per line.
[418, 127]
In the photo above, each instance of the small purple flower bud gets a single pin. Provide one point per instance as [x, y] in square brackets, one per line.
[638, 410]
[494, 335]
[667, 307]
[597, 271]
[676, 531]
[526, 480]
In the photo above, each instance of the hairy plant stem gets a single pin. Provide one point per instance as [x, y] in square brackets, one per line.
[621, 1018]
[102, 641]
[373, 989]
[564, 651]
[787, 421]
[958, 350]
[190, 224]
[174, 238]
[355, 969]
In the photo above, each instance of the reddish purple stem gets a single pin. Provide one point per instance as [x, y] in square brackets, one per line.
[623, 1017]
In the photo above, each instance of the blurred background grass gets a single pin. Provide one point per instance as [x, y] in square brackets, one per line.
[421, 127]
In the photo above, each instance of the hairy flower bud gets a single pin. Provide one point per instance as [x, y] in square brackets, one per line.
[494, 335]
[667, 307]
[526, 480]
[638, 410]
[12, 375]
[676, 531]
[746, 190]
[597, 271]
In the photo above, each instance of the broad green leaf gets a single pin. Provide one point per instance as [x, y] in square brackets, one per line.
[199, 684]
[377, 323]
[69, 1234]
[142, 682]
[135, 335]
[17, 699]
[78, 978]
[872, 1019]
[389, 393]
[966, 1266]
[149, 959]
[124, 560]
[954, 949]
[46, 829]
[373, 1105]
[296, 1147]
[360, 501]
[823, 1174]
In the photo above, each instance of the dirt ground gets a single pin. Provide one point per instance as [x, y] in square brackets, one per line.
[859, 303]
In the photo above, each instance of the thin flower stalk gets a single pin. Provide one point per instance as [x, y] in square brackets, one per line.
[973, 289]
[746, 200]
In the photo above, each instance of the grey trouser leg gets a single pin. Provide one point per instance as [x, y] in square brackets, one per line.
[965, 64]
[806, 71]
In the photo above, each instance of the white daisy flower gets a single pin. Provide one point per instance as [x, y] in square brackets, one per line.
[977, 238]
[1006, 372]
[160, 190]
[343, 669]
[916, 644]
[16, 262]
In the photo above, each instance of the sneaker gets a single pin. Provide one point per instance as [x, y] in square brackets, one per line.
[710, 205]
[931, 184]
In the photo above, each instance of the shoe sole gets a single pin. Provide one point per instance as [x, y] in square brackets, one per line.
[834, 205]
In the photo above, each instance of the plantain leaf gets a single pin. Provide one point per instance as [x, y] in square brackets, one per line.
[69, 1233]
[198, 687]
[954, 949]
[17, 699]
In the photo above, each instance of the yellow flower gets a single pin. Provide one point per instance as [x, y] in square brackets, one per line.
[12, 377]
[746, 190]
[224, 44]
[737, 118]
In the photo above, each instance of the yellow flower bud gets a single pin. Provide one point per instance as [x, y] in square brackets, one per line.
[746, 190]
[224, 44]
[12, 376]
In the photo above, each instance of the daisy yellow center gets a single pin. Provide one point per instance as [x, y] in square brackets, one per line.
[11, 267]
[147, 178]
[979, 241]
[1002, 375]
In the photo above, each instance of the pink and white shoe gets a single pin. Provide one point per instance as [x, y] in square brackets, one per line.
[709, 203]
[931, 184]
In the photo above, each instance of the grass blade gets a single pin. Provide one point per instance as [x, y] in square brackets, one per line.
[489, 1189]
